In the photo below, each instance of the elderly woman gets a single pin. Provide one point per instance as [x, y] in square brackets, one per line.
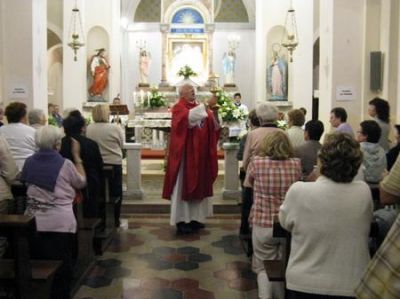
[379, 109]
[330, 221]
[52, 181]
[295, 132]
[267, 115]
[8, 172]
[270, 174]
[37, 118]
[110, 139]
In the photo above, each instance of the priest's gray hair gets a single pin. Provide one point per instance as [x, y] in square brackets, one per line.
[35, 116]
[183, 87]
[48, 137]
[266, 113]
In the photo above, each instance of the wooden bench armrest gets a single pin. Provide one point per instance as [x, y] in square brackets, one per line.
[16, 221]
[275, 270]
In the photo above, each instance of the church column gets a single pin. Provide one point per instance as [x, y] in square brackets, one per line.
[164, 33]
[23, 26]
[341, 48]
[210, 28]
[133, 176]
[231, 179]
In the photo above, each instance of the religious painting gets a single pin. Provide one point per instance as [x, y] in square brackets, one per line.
[190, 51]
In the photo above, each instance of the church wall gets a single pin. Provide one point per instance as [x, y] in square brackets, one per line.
[270, 14]
[2, 98]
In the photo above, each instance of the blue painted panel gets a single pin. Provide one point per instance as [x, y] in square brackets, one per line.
[187, 16]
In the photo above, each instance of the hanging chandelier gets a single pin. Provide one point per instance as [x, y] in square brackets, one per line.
[290, 38]
[76, 31]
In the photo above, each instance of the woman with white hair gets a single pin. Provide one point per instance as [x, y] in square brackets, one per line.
[267, 115]
[37, 118]
[51, 182]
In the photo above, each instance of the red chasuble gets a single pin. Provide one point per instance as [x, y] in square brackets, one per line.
[197, 148]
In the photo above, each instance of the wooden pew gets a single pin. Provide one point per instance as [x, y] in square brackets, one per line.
[104, 237]
[27, 278]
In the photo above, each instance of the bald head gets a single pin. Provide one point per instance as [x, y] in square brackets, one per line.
[187, 92]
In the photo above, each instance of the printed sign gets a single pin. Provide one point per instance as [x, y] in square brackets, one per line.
[345, 93]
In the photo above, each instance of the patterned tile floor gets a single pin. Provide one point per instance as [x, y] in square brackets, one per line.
[149, 261]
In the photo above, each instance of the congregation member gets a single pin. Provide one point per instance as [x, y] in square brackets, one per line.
[192, 165]
[295, 132]
[110, 139]
[8, 173]
[51, 182]
[382, 276]
[267, 115]
[74, 127]
[374, 158]
[329, 221]
[270, 173]
[247, 193]
[379, 109]
[19, 136]
[1, 116]
[338, 120]
[308, 152]
[393, 153]
[37, 118]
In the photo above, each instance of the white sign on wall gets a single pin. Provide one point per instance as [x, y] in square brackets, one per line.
[18, 91]
[345, 93]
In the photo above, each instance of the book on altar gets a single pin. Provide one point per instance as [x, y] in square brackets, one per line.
[119, 110]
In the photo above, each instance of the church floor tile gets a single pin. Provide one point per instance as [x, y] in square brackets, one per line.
[149, 261]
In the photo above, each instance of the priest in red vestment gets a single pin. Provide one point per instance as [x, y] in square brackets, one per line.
[192, 161]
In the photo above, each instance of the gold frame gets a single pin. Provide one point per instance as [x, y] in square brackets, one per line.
[198, 39]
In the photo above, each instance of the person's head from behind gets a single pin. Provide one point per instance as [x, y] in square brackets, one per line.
[50, 108]
[253, 120]
[379, 108]
[304, 110]
[277, 146]
[101, 113]
[369, 131]
[16, 112]
[397, 133]
[74, 124]
[313, 130]
[187, 92]
[296, 118]
[266, 113]
[338, 116]
[37, 117]
[340, 157]
[237, 97]
[48, 138]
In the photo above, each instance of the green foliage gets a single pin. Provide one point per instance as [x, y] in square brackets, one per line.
[52, 121]
[228, 111]
[281, 124]
[186, 71]
[155, 100]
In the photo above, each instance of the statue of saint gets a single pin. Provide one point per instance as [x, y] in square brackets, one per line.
[99, 69]
[277, 78]
[144, 66]
[228, 62]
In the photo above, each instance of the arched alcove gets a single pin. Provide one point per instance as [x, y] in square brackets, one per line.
[97, 38]
[274, 37]
[55, 75]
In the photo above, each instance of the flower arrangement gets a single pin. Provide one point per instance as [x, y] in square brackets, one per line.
[155, 99]
[186, 71]
[228, 111]
[281, 124]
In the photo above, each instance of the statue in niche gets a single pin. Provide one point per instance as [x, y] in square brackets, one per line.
[277, 76]
[228, 62]
[144, 66]
[99, 67]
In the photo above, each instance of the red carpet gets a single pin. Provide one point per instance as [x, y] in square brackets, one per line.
[159, 154]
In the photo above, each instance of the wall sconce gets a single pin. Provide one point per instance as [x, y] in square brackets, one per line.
[290, 37]
[76, 31]
[233, 41]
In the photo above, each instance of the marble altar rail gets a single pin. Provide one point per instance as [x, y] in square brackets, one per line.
[134, 190]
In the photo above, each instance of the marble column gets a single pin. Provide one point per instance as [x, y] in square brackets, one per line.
[164, 33]
[210, 28]
[133, 177]
[23, 63]
[231, 178]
